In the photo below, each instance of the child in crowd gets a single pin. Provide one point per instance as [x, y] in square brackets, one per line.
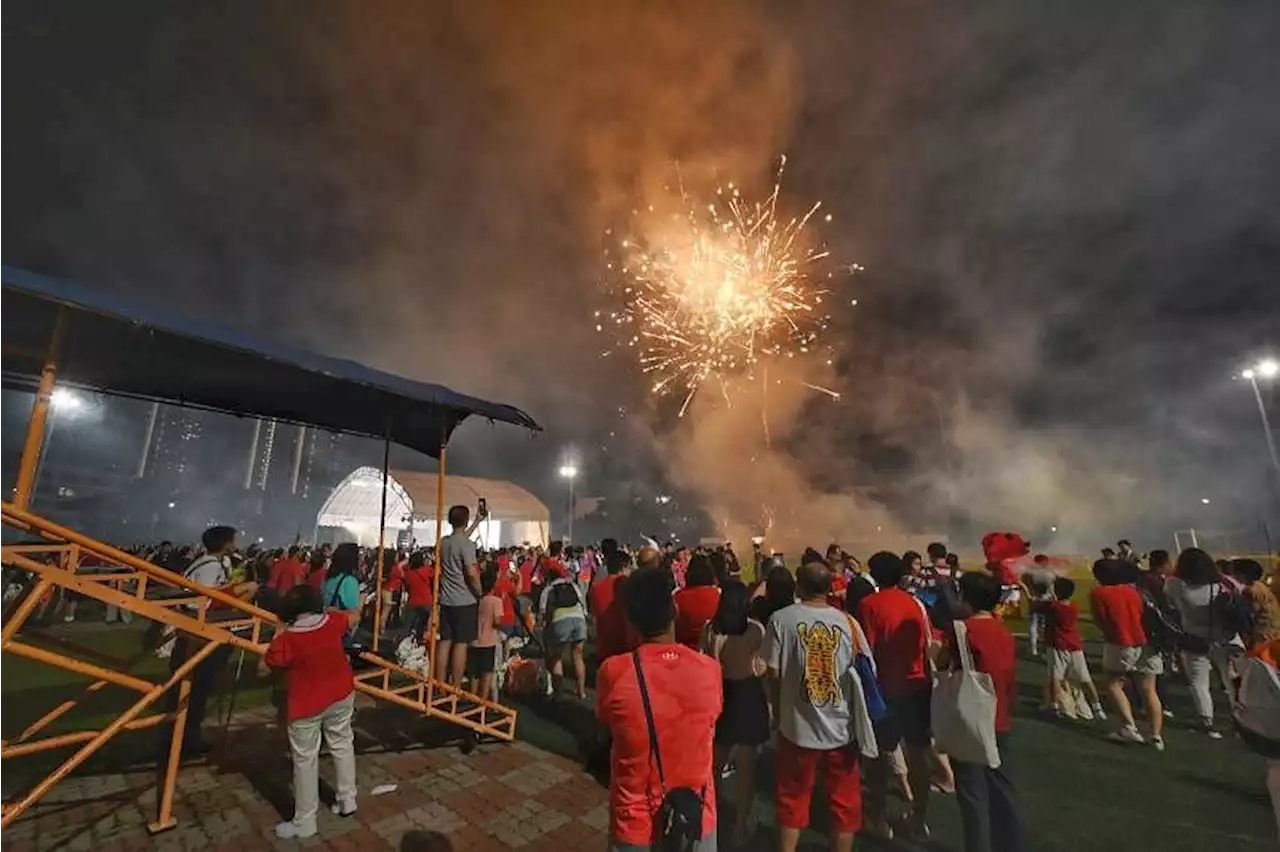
[1067, 665]
[1117, 610]
[482, 657]
[320, 702]
[989, 808]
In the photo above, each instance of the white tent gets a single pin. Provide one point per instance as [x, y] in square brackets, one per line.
[351, 511]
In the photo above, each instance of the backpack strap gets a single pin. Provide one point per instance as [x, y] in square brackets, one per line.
[648, 718]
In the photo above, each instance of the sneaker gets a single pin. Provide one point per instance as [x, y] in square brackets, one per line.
[291, 830]
[1099, 713]
[1168, 714]
[344, 808]
[1213, 735]
[1158, 742]
[1126, 734]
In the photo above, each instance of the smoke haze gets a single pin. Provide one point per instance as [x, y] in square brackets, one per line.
[1066, 215]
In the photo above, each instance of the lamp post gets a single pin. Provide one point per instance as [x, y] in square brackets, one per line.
[569, 472]
[1265, 369]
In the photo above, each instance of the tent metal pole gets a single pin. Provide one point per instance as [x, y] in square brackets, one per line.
[31, 448]
[434, 628]
[382, 540]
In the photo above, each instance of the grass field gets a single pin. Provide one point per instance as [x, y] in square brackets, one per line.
[1080, 792]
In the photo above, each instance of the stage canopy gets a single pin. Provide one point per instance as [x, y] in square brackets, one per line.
[104, 343]
[351, 511]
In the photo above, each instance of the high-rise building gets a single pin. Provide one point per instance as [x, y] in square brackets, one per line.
[171, 450]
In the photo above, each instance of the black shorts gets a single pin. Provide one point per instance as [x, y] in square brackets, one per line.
[909, 721]
[480, 661]
[459, 623]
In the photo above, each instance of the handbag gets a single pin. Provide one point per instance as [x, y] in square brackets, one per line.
[864, 666]
[963, 707]
[678, 824]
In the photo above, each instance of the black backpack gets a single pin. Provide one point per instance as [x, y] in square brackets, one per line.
[678, 825]
[1232, 610]
[563, 595]
[1162, 628]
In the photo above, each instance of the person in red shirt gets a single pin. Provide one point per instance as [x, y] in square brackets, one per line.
[613, 632]
[696, 603]
[286, 572]
[506, 588]
[685, 696]
[419, 580]
[899, 633]
[1066, 649]
[989, 808]
[1117, 611]
[317, 569]
[392, 582]
[321, 696]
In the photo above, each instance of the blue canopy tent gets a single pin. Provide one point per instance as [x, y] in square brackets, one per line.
[105, 343]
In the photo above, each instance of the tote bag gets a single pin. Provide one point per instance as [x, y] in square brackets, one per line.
[964, 709]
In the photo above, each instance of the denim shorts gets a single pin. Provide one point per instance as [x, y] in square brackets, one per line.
[566, 631]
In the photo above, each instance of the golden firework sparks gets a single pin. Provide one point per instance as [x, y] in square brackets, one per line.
[711, 290]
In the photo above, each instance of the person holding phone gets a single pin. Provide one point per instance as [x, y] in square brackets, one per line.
[460, 594]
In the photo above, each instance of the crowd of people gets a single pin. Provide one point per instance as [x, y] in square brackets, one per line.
[864, 676]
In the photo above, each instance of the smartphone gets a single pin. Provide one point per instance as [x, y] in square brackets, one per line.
[483, 507]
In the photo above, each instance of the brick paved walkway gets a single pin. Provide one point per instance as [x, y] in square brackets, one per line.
[499, 797]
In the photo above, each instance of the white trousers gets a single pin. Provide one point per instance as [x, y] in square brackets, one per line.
[334, 722]
[1198, 667]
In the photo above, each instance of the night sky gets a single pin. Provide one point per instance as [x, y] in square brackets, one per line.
[1067, 214]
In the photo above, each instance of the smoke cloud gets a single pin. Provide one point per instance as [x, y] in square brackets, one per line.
[1064, 218]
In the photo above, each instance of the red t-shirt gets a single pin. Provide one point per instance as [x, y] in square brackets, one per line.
[315, 580]
[550, 569]
[613, 635]
[839, 588]
[685, 692]
[285, 573]
[505, 588]
[526, 577]
[418, 582]
[1063, 623]
[993, 653]
[1118, 612]
[395, 579]
[317, 672]
[899, 633]
[695, 606]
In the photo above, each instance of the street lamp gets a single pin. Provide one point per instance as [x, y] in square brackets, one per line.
[569, 472]
[1267, 368]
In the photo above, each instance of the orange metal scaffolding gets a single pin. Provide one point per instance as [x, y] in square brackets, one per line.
[54, 563]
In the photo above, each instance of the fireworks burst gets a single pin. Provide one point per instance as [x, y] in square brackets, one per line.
[711, 291]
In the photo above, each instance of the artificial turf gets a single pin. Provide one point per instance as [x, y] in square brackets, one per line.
[1079, 791]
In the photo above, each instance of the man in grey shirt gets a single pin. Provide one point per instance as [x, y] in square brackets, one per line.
[459, 597]
[821, 712]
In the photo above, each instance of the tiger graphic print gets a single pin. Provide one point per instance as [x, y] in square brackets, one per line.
[820, 642]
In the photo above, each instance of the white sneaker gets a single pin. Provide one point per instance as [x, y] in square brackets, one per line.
[1126, 735]
[1158, 742]
[344, 808]
[1168, 714]
[291, 830]
[1099, 713]
[1214, 735]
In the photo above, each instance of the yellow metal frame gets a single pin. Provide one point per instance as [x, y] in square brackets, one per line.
[55, 562]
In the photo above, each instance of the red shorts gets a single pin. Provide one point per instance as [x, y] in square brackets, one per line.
[796, 771]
